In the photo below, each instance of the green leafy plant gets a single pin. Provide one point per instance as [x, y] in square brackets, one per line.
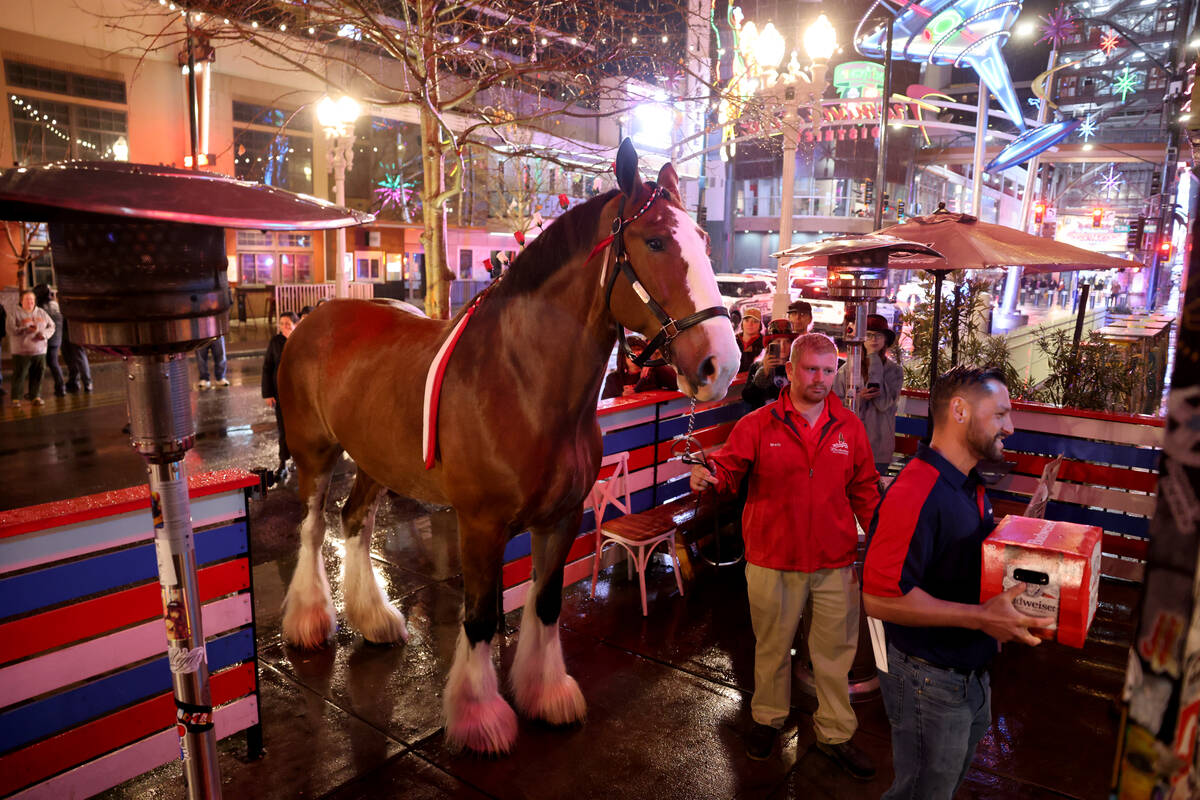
[1099, 375]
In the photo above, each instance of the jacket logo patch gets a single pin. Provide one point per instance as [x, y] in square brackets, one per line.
[840, 447]
[774, 444]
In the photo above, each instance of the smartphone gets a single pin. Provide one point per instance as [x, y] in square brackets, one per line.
[872, 385]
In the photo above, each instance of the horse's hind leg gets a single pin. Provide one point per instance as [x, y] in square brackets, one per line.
[367, 606]
[477, 717]
[541, 685]
[309, 618]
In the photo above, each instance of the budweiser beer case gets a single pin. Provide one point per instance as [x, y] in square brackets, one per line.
[1059, 563]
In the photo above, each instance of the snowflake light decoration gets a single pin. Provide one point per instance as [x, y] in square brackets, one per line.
[1087, 128]
[1109, 42]
[1111, 181]
[1125, 84]
[1059, 26]
[392, 190]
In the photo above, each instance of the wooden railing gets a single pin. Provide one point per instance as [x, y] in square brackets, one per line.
[295, 296]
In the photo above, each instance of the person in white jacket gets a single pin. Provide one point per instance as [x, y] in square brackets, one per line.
[29, 330]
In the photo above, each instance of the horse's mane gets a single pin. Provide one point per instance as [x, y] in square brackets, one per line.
[554, 247]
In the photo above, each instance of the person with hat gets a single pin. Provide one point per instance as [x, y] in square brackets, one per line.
[629, 378]
[750, 339]
[881, 379]
[799, 314]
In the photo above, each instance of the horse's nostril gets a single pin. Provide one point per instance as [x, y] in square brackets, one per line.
[709, 368]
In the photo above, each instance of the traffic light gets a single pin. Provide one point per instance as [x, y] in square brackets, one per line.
[869, 190]
[1097, 216]
[1155, 183]
[1164, 246]
[900, 209]
[1039, 212]
[1133, 239]
[885, 201]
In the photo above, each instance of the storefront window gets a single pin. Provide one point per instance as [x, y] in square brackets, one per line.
[266, 257]
[272, 146]
[47, 129]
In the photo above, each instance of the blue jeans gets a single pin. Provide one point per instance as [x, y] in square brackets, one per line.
[217, 348]
[938, 717]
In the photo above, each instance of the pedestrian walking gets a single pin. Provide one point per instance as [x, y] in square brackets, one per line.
[29, 328]
[46, 302]
[79, 371]
[215, 349]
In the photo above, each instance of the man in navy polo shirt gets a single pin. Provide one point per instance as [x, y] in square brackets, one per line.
[921, 577]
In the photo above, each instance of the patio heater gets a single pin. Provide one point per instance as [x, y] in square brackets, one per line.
[139, 257]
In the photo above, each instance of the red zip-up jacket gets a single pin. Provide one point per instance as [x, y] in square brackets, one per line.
[805, 490]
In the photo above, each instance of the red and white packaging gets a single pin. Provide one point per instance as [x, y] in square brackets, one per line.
[1059, 562]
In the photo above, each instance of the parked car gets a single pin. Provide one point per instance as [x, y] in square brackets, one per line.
[739, 292]
[911, 293]
[829, 315]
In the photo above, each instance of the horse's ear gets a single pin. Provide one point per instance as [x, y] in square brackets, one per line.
[668, 178]
[627, 168]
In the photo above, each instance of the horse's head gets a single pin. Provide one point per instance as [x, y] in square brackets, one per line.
[665, 289]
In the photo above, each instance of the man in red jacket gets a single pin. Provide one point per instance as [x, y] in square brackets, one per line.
[811, 473]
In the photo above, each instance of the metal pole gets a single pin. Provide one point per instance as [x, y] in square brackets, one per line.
[788, 180]
[161, 431]
[881, 158]
[856, 353]
[192, 112]
[981, 117]
[340, 145]
[730, 197]
[934, 344]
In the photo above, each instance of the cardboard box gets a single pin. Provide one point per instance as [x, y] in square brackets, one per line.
[1060, 564]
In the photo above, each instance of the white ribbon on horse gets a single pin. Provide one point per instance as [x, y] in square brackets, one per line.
[433, 388]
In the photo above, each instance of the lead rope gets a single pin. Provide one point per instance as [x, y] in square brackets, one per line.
[697, 458]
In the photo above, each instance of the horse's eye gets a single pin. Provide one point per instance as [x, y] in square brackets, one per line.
[655, 244]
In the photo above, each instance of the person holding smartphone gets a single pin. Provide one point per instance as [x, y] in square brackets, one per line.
[883, 379]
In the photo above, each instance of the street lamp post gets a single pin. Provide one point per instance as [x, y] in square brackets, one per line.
[337, 117]
[762, 52]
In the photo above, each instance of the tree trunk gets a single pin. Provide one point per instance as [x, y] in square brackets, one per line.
[433, 213]
[433, 204]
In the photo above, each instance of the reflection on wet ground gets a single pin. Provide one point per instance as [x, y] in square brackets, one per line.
[668, 694]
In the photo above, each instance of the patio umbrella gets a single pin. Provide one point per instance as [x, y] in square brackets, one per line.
[966, 243]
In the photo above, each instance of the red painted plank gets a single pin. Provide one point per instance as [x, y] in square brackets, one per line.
[521, 570]
[1117, 545]
[108, 504]
[1072, 470]
[73, 623]
[70, 748]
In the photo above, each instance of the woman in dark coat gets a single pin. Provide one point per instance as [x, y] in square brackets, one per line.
[270, 386]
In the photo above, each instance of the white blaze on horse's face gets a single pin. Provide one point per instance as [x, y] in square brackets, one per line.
[706, 356]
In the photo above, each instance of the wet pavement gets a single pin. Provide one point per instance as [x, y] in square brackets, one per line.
[668, 694]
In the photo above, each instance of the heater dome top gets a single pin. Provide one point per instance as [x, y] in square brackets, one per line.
[63, 191]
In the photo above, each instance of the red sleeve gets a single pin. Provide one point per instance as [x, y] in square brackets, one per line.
[731, 463]
[894, 561]
[864, 486]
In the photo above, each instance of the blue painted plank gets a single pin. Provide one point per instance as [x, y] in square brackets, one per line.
[1047, 444]
[53, 585]
[629, 438]
[46, 717]
[670, 428]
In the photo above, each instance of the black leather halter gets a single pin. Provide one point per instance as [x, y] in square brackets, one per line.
[671, 328]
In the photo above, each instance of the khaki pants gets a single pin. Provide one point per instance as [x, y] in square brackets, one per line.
[777, 600]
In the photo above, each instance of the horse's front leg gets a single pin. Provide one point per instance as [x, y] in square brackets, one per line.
[539, 678]
[367, 606]
[477, 717]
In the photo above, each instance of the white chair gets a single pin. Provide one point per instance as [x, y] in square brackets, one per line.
[638, 534]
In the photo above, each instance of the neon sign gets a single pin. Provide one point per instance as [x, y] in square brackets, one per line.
[855, 79]
[958, 32]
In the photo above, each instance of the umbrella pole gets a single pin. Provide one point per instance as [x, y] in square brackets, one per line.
[955, 322]
[1084, 290]
[938, 277]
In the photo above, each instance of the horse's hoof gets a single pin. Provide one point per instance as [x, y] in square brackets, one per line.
[310, 627]
[379, 622]
[560, 703]
[488, 727]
